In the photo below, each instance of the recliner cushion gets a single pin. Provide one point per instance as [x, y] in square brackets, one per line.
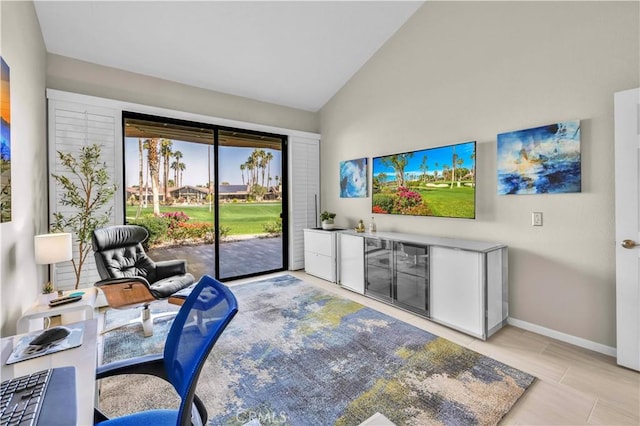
[129, 261]
[164, 288]
[118, 236]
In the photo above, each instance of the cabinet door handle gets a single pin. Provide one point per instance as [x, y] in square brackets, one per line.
[629, 244]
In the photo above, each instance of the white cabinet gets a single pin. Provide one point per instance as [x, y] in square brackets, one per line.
[468, 289]
[458, 283]
[351, 262]
[320, 253]
[457, 289]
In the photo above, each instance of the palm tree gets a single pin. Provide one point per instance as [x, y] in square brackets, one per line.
[249, 166]
[242, 169]
[140, 177]
[424, 167]
[165, 152]
[460, 162]
[181, 167]
[454, 160]
[252, 166]
[473, 161]
[435, 172]
[268, 157]
[262, 164]
[154, 162]
[398, 163]
[174, 167]
[177, 155]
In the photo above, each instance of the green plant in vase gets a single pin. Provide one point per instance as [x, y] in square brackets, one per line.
[326, 218]
[47, 288]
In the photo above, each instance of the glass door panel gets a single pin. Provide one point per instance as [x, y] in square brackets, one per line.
[379, 268]
[412, 277]
[167, 167]
[249, 194]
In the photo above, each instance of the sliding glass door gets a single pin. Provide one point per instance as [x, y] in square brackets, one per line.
[249, 203]
[207, 194]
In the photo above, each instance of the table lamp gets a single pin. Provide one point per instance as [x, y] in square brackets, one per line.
[53, 248]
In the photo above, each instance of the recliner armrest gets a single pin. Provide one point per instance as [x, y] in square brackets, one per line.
[168, 268]
[152, 364]
[129, 291]
[124, 280]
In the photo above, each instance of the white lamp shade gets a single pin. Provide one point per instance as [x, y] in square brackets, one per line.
[53, 248]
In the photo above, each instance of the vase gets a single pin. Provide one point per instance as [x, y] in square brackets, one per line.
[44, 299]
[326, 224]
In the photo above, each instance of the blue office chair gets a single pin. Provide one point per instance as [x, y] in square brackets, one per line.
[200, 321]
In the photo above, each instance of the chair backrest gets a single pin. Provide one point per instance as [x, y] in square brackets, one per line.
[197, 326]
[119, 254]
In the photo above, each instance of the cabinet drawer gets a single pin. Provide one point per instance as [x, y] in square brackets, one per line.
[319, 242]
[321, 266]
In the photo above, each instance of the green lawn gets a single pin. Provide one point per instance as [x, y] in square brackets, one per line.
[450, 202]
[240, 218]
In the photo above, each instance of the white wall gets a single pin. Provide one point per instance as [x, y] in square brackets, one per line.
[460, 71]
[32, 69]
[23, 50]
[72, 75]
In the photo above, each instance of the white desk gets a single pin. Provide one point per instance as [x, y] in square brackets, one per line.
[86, 304]
[83, 358]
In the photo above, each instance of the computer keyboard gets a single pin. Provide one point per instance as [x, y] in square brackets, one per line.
[21, 398]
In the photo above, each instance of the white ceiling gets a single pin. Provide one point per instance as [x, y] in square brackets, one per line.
[296, 54]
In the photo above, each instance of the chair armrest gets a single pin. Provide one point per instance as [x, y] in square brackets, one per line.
[152, 364]
[129, 292]
[169, 268]
[124, 280]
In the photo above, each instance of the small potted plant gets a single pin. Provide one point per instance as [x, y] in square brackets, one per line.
[47, 293]
[327, 219]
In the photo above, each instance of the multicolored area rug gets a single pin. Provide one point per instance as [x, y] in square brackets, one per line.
[299, 355]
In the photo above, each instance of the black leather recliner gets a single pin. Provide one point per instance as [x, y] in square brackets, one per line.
[129, 277]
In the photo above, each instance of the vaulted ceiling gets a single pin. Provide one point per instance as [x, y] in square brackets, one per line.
[296, 53]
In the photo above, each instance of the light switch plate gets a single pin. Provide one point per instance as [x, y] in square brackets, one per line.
[536, 218]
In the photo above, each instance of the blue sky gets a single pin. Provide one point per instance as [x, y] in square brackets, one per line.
[195, 157]
[441, 155]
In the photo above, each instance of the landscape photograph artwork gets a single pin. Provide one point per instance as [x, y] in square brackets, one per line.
[353, 178]
[540, 160]
[437, 181]
[5, 143]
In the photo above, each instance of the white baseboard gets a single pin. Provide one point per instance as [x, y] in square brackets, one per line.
[567, 338]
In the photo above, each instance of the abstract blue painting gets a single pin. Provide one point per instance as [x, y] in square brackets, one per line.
[540, 160]
[353, 178]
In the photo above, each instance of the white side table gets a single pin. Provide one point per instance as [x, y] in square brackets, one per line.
[85, 306]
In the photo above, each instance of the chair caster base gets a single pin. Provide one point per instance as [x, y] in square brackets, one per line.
[146, 319]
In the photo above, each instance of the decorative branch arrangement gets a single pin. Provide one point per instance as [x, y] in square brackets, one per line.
[87, 190]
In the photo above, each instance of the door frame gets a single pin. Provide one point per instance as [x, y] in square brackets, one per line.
[284, 201]
[216, 128]
[627, 217]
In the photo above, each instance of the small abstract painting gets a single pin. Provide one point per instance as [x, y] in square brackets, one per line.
[541, 160]
[5, 143]
[353, 178]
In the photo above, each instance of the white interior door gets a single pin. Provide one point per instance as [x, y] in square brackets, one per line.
[627, 161]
